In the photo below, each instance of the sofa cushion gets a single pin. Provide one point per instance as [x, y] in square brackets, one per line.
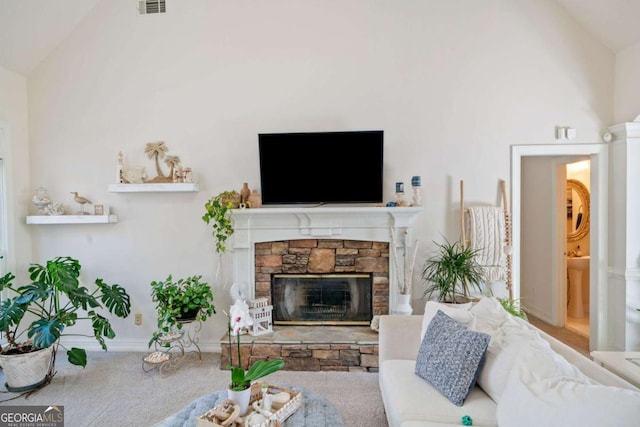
[410, 400]
[451, 356]
[489, 315]
[503, 349]
[459, 312]
[543, 389]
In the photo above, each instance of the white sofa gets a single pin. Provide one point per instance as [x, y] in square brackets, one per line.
[518, 388]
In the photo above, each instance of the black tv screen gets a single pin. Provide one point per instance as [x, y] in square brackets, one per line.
[321, 167]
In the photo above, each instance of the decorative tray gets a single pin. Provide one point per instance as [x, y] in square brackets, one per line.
[282, 410]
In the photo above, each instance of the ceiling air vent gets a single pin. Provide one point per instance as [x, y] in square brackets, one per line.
[151, 6]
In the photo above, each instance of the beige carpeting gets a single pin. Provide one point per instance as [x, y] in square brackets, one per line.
[113, 390]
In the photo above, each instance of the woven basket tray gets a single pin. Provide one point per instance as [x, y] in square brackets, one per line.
[282, 411]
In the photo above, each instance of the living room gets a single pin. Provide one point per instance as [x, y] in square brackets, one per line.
[454, 85]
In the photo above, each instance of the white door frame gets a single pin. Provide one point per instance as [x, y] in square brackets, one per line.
[599, 154]
[7, 219]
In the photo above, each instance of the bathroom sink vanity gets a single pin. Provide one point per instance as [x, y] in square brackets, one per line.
[577, 268]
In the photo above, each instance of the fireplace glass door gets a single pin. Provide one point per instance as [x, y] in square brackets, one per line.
[321, 299]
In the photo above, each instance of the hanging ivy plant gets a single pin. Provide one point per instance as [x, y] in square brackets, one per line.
[218, 214]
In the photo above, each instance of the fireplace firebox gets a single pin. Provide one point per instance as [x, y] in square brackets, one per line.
[322, 299]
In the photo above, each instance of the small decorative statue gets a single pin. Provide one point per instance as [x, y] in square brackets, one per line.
[245, 193]
[254, 200]
[82, 201]
[120, 169]
[156, 151]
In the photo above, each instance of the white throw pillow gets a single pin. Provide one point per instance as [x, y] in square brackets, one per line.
[459, 312]
[504, 348]
[490, 314]
[544, 390]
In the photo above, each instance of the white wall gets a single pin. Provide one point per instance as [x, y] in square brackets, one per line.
[452, 83]
[15, 155]
[627, 85]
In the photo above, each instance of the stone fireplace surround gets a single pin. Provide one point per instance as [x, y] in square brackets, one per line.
[324, 256]
[318, 347]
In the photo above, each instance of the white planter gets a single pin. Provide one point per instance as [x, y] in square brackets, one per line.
[404, 304]
[26, 371]
[241, 398]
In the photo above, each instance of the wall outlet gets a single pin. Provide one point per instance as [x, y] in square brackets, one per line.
[138, 318]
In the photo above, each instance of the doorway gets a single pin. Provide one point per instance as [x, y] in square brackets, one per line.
[544, 293]
[576, 217]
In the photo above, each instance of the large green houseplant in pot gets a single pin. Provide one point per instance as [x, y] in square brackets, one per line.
[179, 302]
[452, 272]
[35, 317]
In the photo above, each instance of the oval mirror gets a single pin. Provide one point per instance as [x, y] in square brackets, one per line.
[577, 210]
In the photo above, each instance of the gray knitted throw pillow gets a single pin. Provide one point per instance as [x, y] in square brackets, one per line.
[451, 356]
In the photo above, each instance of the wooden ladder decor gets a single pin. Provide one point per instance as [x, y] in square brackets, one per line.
[507, 235]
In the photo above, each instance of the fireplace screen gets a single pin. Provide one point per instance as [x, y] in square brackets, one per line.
[321, 299]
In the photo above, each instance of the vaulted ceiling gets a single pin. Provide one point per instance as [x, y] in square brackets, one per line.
[31, 29]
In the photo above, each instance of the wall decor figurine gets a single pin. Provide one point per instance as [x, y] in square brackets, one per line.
[255, 201]
[187, 175]
[120, 169]
[174, 163]
[245, 192]
[55, 209]
[156, 150]
[82, 201]
[134, 175]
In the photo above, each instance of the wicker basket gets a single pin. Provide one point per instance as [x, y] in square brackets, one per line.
[282, 411]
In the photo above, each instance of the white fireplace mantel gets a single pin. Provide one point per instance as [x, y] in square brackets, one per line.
[348, 223]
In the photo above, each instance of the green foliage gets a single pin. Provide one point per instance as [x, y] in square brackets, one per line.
[241, 380]
[451, 272]
[512, 306]
[175, 300]
[57, 301]
[218, 214]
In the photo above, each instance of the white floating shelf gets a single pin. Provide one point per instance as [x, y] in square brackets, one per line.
[152, 188]
[72, 219]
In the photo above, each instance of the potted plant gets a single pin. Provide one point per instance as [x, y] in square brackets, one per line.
[218, 214]
[39, 314]
[241, 379]
[512, 306]
[452, 272]
[180, 301]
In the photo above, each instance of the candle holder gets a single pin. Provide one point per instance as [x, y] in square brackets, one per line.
[416, 183]
[400, 194]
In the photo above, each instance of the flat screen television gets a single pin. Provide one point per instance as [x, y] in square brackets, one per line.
[321, 167]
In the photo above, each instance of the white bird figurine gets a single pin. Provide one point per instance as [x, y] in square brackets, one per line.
[82, 201]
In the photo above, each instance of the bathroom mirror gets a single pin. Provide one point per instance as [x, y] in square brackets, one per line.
[577, 210]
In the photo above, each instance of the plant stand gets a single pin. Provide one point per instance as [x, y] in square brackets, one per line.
[172, 348]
